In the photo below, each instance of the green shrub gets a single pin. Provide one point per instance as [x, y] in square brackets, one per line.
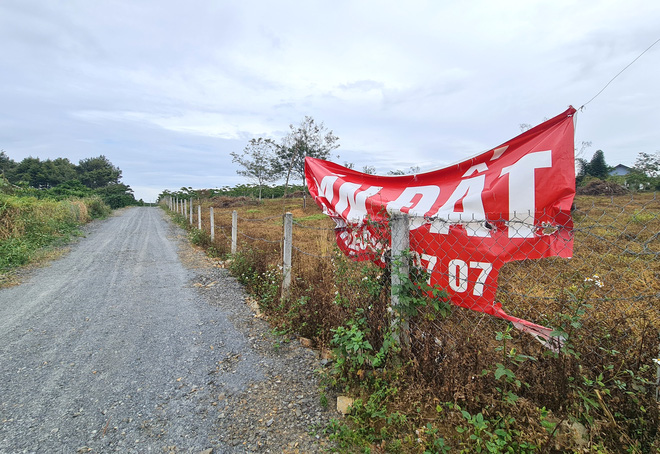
[28, 224]
[200, 238]
[97, 208]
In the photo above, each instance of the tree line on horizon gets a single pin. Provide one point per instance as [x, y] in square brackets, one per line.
[60, 178]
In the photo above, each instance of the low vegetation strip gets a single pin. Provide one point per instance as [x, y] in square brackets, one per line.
[28, 224]
[468, 382]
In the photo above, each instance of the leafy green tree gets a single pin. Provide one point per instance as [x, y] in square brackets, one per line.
[70, 188]
[645, 173]
[31, 172]
[648, 164]
[98, 172]
[582, 165]
[58, 171]
[117, 195]
[307, 139]
[44, 174]
[7, 165]
[257, 161]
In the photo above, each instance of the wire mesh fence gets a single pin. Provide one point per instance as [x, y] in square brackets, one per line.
[603, 305]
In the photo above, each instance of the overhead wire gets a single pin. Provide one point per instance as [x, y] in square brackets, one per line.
[618, 74]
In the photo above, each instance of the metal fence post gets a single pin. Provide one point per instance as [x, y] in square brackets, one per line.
[234, 230]
[286, 254]
[399, 269]
[211, 220]
[199, 216]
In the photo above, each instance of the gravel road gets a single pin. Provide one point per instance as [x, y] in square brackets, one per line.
[134, 342]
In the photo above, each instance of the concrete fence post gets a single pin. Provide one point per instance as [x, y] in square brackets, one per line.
[399, 270]
[199, 216]
[234, 230]
[185, 207]
[212, 222]
[657, 382]
[286, 254]
[190, 214]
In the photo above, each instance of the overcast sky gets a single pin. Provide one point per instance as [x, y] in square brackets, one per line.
[167, 89]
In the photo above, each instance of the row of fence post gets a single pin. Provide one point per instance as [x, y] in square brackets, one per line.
[184, 207]
[400, 240]
[400, 235]
[399, 246]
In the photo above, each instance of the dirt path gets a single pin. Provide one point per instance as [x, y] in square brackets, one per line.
[119, 347]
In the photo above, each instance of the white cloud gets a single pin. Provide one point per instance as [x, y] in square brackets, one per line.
[401, 84]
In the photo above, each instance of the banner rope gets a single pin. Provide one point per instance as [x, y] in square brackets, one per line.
[618, 74]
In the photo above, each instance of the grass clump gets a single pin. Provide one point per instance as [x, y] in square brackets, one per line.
[28, 224]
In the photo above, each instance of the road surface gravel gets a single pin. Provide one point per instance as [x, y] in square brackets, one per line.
[134, 342]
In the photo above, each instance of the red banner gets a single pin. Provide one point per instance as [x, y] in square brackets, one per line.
[512, 202]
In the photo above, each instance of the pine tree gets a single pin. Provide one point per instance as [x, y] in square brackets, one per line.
[597, 166]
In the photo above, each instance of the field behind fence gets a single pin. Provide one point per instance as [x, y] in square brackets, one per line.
[604, 302]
